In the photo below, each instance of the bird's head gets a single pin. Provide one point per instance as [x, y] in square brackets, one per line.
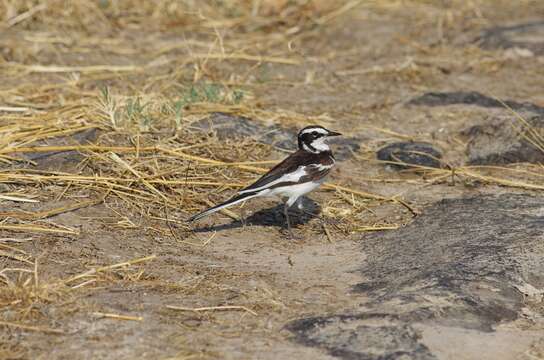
[314, 138]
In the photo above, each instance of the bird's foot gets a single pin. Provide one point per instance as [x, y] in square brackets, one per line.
[243, 217]
[243, 223]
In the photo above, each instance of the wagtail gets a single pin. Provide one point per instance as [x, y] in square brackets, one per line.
[300, 173]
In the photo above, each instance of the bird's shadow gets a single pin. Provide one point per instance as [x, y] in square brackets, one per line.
[272, 217]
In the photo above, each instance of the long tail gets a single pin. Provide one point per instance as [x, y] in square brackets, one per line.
[233, 201]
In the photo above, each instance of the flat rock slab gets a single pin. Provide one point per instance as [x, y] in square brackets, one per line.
[503, 139]
[62, 160]
[465, 265]
[408, 154]
[362, 336]
[529, 36]
[228, 127]
[472, 98]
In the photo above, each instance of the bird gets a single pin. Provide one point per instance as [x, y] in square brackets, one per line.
[298, 174]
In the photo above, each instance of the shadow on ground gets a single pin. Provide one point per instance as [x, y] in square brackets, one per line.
[272, 217]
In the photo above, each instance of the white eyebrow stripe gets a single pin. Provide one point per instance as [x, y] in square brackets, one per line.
[316, 129]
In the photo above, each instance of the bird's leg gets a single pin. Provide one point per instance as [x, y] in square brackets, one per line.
[288, 222]
[243, 216]
[286, 213]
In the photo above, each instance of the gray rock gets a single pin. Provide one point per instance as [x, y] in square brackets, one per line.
[62, 160]
[470, 263]
[523, 36]
[363, 336]
[498, 142]
[472, 98]
[228, 126]
[410, 153]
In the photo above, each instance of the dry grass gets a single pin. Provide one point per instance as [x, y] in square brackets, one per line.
[131, 163]
[145, 156]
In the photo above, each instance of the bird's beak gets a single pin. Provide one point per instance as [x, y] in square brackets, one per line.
[333, 133]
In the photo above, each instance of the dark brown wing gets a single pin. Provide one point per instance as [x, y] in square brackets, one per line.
[288, 165]
[314, 173]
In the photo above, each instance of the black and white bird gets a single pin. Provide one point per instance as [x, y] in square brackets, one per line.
[300, 173]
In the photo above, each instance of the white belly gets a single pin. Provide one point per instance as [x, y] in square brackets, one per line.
[293, 192]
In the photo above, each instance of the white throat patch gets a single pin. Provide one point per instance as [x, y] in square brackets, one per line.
[320, 144]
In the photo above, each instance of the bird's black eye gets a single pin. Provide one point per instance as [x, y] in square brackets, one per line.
[314, 133]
